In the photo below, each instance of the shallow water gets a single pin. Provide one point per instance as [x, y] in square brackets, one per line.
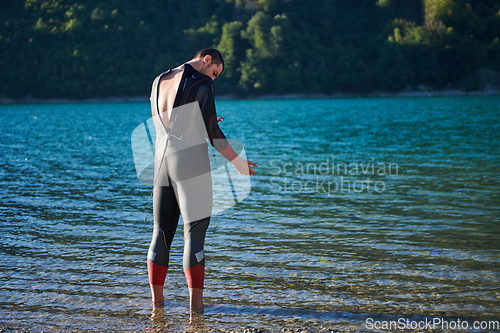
[311, 245]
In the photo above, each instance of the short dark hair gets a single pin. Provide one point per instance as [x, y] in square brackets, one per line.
[216, 56]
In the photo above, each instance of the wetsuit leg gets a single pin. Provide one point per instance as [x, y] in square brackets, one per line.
[194, 255]
[166, 218]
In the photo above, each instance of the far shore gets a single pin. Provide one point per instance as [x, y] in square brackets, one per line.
[406, 93]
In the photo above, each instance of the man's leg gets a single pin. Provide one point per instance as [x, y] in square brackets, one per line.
[191, 175]
[166, 218]
[194, 261]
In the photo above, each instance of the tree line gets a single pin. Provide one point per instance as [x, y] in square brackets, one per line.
[94, 48]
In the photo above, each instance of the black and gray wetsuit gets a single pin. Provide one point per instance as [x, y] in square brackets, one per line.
[183, 184]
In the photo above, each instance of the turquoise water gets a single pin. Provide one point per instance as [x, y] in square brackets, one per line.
[383, 207]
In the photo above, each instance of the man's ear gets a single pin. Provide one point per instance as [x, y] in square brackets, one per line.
[207, 59]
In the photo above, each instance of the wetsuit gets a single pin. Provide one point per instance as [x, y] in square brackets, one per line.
[183, 184]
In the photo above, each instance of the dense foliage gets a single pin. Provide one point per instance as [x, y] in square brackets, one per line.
[95, 48]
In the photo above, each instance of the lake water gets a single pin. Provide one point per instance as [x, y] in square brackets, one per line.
[361, 208]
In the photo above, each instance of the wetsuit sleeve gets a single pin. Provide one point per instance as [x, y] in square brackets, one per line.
[215, 135]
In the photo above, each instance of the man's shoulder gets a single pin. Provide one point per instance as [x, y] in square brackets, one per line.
[168, 71]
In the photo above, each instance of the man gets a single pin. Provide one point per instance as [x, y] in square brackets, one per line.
[183, 108]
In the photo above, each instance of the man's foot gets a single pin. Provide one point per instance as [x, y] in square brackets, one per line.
[196, 319]
[158, 315]
[158, 303]
[198, 309]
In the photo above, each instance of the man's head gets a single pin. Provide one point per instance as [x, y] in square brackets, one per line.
[211, 62]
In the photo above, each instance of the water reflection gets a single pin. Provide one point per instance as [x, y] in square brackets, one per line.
[163, 319]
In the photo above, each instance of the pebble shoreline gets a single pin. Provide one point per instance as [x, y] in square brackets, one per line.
[194, 330]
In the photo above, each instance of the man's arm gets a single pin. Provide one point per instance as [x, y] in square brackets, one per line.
[216, 136]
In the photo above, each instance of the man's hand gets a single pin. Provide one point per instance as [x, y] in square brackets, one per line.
[244, 167]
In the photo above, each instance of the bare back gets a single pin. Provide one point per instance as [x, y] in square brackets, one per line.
[167, 90]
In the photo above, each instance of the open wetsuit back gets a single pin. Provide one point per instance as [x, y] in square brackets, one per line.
[183, 184]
